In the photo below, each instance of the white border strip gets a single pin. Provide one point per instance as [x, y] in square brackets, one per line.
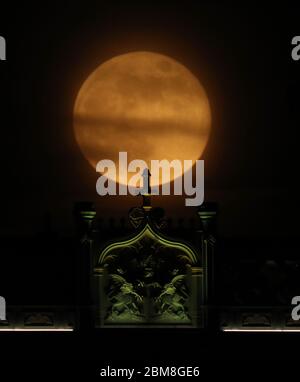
[260, 330]
[36, 330]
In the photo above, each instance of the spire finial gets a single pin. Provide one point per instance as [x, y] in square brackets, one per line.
[146, 190]
[146, 175]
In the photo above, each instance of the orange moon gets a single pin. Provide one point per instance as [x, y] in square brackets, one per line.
[146, 104]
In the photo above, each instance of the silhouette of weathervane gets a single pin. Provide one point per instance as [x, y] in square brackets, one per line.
[146, 182]
[146, 190]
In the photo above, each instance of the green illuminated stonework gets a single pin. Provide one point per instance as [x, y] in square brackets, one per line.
[149, 279]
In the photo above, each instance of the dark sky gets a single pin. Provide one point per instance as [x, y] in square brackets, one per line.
[242, 56]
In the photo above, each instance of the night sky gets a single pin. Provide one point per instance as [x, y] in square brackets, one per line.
[242, 57]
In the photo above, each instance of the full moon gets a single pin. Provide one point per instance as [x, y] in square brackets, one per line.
[146, 104]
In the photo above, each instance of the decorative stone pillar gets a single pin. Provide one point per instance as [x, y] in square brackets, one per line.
[85, 214]
[197, 298]
[207, 213]
[99, 297]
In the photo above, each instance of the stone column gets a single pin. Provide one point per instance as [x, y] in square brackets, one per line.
[99, 297]
[85, 214]
[197, 309]
[207, 240]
